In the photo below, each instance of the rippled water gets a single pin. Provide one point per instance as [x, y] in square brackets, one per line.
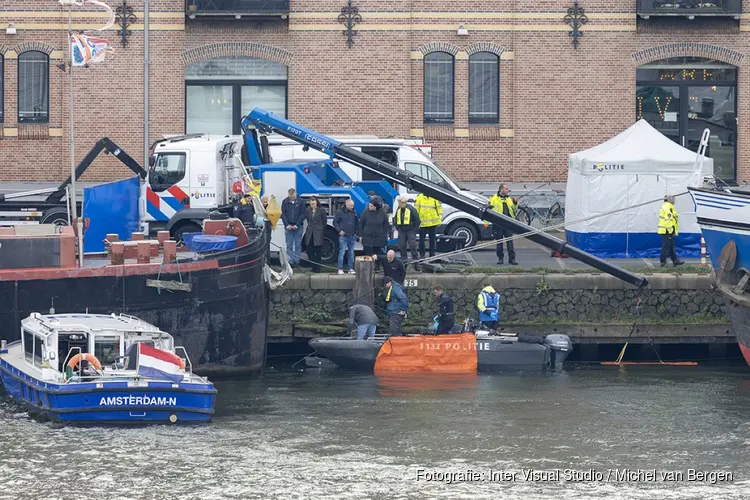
[323, 435]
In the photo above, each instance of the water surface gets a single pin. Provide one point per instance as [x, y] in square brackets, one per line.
[588, 433]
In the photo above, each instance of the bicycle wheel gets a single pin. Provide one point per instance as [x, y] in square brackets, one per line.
[555, 211]
[524, 216]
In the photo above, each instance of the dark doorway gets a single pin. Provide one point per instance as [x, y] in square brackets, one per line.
[682, 96]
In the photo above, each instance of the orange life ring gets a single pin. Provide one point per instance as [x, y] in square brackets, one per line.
[85, 357]
[178, 359]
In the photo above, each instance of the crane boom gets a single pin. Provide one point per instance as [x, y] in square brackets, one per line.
[266, 122]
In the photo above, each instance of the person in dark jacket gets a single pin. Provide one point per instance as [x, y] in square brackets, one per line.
[445, 320]
[364, 320]
[317, 219]
[396, 305]
[346, 223]
[373, 227]
[392, 266]
[293, 216]
[406, 220]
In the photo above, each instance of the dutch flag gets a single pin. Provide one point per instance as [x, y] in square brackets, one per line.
[158, 364]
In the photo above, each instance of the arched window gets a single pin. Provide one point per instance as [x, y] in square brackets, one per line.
[438, 87]
[220, 91]
[484, 88]
[33, 87]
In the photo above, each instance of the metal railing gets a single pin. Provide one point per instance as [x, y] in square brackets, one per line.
[689, 8]
[236, 7]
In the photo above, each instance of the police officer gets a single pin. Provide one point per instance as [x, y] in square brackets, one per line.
[504, 204]
[488, 303]
[668, 228]
[430, 217]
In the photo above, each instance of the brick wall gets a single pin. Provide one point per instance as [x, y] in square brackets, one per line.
[554, 100]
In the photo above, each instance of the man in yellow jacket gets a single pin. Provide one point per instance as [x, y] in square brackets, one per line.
[430, 216]
[668, 228]
[504, 204]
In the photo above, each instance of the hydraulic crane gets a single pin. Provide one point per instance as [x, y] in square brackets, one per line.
[265, 122]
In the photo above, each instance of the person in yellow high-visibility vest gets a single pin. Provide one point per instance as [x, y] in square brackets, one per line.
[668, 229]
[504, 204]
[406, 220]
[430, 217]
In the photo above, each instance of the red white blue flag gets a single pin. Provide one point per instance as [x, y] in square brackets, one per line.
[158, 364]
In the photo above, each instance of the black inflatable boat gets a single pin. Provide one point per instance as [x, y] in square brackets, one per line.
[494, 352]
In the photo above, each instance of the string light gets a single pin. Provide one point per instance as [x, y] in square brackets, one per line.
[640, 107]
[666, 106]
[666, 76]
[707, 75]
[689, 75]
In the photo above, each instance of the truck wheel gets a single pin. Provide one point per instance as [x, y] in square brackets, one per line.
[329, 253]
[466, 230]
[177, 233]
[56, 217]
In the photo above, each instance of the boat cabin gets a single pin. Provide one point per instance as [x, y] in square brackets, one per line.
[50, 341]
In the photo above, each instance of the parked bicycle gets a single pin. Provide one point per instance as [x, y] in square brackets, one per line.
[554, 215]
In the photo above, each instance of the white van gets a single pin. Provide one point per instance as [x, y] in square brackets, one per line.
[407, 154]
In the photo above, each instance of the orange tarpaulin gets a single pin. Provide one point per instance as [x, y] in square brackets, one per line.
[428, 354]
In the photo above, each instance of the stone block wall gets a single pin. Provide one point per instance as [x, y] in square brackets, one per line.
[525, 298]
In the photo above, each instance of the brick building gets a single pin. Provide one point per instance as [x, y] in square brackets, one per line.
[496, 87]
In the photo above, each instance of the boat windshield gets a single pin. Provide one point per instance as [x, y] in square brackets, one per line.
[107, 348]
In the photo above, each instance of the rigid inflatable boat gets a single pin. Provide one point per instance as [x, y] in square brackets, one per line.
[480, 351]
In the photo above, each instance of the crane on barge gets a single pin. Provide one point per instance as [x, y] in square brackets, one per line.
[260, 121]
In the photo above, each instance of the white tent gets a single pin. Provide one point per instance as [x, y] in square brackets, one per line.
[636, 166]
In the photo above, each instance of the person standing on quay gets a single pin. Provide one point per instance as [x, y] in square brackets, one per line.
[373, 226]
[317, 219]
[346, 223]
[406, 220]
[668, 226]
[504, 204]
[293, 216]
[430, 217]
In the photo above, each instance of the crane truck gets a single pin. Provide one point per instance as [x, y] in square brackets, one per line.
[260, 122]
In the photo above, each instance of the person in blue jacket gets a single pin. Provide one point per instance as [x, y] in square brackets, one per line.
[396, 305]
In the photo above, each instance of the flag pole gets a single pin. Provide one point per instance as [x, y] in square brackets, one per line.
[74, 204]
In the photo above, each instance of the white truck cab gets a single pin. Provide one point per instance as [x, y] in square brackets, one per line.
[407, 154]
[187, 177]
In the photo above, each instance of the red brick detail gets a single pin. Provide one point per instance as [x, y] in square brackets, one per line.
[439, 47]
[485, 47]
[31, 131]
[246, 49]
[38, 46]
[684, 49]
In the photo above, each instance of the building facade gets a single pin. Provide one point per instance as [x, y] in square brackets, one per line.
[502, 90]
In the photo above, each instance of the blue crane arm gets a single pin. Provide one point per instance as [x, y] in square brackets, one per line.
[265, 122]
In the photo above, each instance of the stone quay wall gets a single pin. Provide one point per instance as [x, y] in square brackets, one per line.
[541, 299]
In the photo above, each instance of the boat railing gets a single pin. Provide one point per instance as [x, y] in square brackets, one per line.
[188, 364]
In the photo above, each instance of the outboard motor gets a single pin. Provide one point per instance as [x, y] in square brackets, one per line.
[560, 347]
